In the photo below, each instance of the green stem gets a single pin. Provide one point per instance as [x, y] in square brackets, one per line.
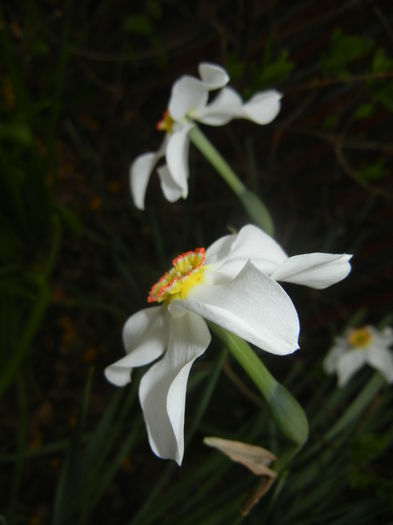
[248, 360]
[286, 411]
[255, 208]
[204, 145]
[356, 408]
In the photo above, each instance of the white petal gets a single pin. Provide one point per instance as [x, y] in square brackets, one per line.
[318, 270]
[226, 106]
[162, 389]
[170, 189]
[177, 158]
[384, 337]
[145, 337]
[251, 306]
[348, 364]
[140, 172]
[220, 248]
[263, 107]
[212, 75]
[230, 253]
[146, 327]
[188, 93]
[331, 360]
[382, 360]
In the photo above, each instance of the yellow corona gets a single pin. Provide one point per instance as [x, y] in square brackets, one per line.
[166, 123]
[360, 337]
[187, 271]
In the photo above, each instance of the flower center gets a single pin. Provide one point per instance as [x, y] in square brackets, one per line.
[186, 273]
[166, 123]
[360, 337]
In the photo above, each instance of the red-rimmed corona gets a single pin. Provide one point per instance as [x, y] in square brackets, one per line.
[166, 123]
[188, 269]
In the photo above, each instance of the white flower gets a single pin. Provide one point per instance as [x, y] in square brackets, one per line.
[189, 102]
[232, 284]
[360, 346]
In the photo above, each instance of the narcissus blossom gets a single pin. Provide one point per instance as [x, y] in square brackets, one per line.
[358, 347]
[189, 102]
[233, 284]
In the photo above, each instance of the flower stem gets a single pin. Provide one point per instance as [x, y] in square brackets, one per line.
[358, 405]
[255, 208]
[286, 411]
[199, 139]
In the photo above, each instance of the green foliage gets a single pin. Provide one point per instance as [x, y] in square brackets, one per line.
[344, 50]
[381, 63]
[372, 172]
[344, 53]
[365, 110]
[380, 90]
[138, 25]
[274, 68]
[235, 67]
[142, 28]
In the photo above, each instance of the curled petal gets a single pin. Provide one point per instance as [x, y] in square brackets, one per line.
[263, 107]
[382, 360]
[348, 364]
[162, 389]
[229, 254]
[188, 94]
[226, 106]
[140, 172]
[318, 270]
[170, 189]
[145, 336]
[251, 306]
[213, 76]
[177, 158]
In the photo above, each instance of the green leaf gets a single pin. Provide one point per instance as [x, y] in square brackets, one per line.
[16, 132]
[372, 172]
[381, 63]
[330, 121]
[235, 67]
[139, 25]
[368, 447]
[70, 220]
[365, 110]
[275, 71]
[344, 49]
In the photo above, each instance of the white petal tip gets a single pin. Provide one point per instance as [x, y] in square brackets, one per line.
[263, 107]
[118, 376]
[212, 75]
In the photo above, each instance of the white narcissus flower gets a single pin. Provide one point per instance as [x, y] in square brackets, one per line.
[358, 347]
[232, 284]
[189, 102]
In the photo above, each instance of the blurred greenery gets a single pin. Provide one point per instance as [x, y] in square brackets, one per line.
[81, 87]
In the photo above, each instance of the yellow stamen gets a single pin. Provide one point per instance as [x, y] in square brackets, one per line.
[166, 123]
[360, 337]
[187, 272]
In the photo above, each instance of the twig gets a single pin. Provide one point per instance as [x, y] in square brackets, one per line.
[234, 378]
